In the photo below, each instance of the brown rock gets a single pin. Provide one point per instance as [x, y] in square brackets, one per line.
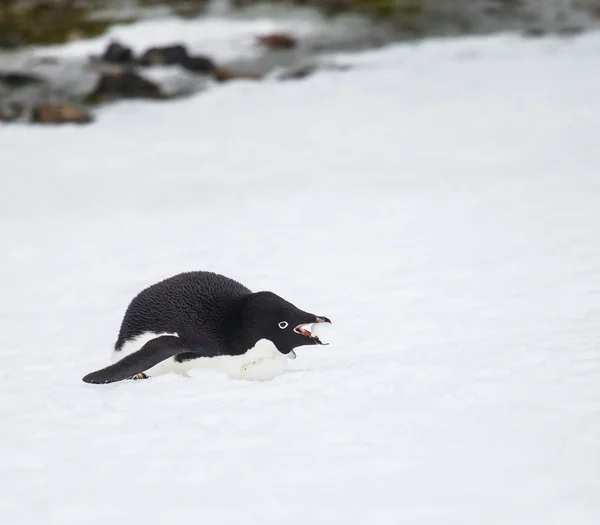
[124, 84]
[60, 114]
[275, 41]
[222, 75]
[116, 53]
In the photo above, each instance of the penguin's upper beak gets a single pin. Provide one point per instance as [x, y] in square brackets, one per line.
[308, 329]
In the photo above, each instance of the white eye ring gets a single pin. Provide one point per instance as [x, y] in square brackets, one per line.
[283, 324]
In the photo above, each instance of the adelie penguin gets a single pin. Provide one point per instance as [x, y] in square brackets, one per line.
[203, 319]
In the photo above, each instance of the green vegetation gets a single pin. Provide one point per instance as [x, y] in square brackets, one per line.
[401, 10]
[403, 14]
[48, 24]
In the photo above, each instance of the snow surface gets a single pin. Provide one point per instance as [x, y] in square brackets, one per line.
[440, 203]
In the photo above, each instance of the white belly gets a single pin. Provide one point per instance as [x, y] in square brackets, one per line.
[260, 363]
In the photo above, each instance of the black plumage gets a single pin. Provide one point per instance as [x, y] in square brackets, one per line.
[202, 308]
[204, 314]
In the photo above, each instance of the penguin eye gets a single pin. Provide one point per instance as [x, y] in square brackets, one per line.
[283, 324]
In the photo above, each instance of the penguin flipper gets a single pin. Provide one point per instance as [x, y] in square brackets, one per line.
[153, 352]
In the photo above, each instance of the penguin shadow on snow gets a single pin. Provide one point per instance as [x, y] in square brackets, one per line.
[204, 320]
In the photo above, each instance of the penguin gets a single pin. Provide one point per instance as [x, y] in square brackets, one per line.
[207, 320]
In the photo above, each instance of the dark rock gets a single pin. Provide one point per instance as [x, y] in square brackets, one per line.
[275, 41]
[177, 55]
[17, 80]
[117, 53]
[60, 114]
[123, 84]
[164, 56]
[199, 64]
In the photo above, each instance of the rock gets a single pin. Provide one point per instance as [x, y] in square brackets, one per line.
[222, 74]
[60, 114]
[123, 84]
[164, 56]
[276, 41]
[44, 113]
[17, 80]
[117, 53]
[199, 64]
[177, 54]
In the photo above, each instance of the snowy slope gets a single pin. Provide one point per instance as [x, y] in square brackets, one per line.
[440, 203]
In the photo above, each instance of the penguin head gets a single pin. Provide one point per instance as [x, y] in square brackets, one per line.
[268, 316]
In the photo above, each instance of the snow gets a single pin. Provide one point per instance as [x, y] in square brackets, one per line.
[439, 202]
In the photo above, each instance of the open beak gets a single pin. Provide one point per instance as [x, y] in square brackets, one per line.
[308, 329]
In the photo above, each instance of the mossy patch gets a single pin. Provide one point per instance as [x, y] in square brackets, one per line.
[46, 24]
[389, 9]
[403, 14]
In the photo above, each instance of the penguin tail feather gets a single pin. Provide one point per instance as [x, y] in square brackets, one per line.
[133, 365]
